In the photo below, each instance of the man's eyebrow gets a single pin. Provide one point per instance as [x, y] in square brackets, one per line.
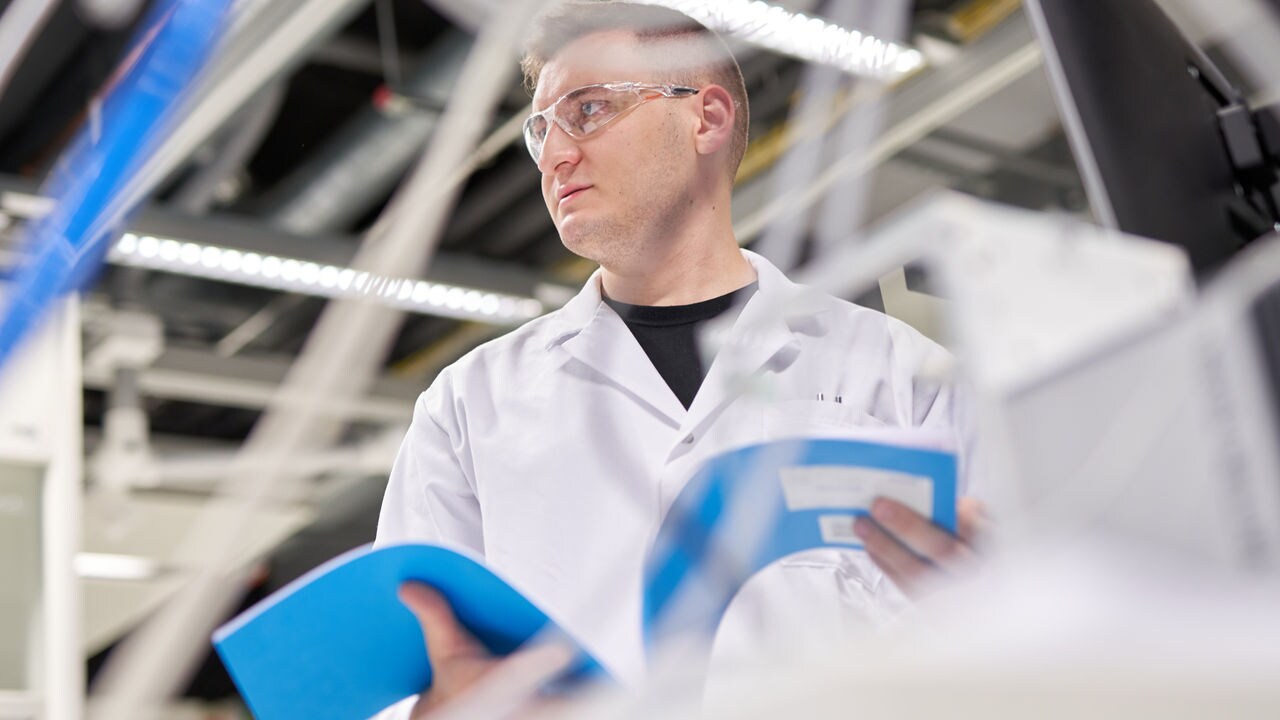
[550, 98]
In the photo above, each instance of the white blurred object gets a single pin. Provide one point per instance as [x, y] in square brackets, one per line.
[109, 14]
[1132, 424]
[1068, 628]
[1110, 403]
[1159, 432]
[110, 566]
[1032, 291]
[1078, 629]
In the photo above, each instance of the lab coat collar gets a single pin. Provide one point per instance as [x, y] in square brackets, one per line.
[591, 332]
[767, 331]
[800, 308]
[579, 312]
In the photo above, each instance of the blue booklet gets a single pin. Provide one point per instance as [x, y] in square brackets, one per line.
[338, 644]
[750, 507]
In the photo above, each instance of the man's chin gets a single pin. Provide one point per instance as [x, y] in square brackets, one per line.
[585, 251]
[582, 242]
[603, 243]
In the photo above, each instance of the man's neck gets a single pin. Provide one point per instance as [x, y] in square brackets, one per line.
[682, 272]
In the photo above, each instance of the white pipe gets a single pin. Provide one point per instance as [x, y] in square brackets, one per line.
[64, 673]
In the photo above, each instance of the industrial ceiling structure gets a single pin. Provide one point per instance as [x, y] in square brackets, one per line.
[305, 164]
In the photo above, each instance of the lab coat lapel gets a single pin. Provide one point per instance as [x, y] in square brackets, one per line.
[766, 330]
[594, 335]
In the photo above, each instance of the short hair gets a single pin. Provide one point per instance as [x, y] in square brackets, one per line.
[650, 25]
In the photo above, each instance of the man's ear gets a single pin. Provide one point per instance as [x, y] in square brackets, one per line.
[716, 116]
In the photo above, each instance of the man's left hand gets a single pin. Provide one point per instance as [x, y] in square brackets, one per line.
[916, 554]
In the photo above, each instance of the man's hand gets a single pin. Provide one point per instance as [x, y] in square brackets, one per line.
[458, 660]
[911, 550]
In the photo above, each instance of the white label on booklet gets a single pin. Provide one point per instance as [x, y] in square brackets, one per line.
[808, 487]
[838, 529]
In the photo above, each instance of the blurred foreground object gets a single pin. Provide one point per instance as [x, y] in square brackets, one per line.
[88, 185]
[1128, 445]
[1113, 398]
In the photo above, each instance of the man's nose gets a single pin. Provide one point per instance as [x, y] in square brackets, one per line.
[558, 148]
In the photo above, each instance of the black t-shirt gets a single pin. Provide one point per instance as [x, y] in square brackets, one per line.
[668, 335]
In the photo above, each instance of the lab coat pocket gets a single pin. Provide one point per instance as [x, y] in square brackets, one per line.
[817, 419]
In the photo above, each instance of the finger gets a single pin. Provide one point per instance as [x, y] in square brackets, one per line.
[900, 564]
[972, 523]
[916, 531]
[445, 636]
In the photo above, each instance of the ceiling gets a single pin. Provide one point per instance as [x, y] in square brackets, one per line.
[323, 117]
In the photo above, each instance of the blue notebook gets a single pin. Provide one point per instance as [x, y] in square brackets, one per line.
[338, 644]
[748, 508]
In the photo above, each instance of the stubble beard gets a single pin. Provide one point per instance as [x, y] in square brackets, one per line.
[628, 240]
[616, 241]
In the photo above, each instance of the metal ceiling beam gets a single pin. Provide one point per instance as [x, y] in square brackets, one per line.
[356, 54]
[204, 377]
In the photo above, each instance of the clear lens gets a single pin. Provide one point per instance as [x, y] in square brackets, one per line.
[587, 109]
[536, 127]
[584, 111]
[535, 131]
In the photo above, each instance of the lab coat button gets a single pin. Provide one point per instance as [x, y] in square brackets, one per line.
[688, 439]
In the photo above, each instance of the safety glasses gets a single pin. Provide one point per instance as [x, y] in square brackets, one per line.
[583, 112]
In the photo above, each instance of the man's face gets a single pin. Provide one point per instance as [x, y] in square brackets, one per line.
[613, 194]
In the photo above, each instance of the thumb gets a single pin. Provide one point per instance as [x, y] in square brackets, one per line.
[445, 636]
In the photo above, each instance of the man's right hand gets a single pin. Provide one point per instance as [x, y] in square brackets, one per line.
[458, 660]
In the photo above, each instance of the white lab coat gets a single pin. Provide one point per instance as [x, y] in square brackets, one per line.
[555, 450]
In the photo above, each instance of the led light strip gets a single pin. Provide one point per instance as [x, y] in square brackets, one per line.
[800, 36]
[303, 276]
[107, 566]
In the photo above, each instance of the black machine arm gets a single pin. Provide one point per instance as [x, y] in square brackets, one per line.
[1252, 140]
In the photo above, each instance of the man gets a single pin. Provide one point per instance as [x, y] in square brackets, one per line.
[554, 451]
